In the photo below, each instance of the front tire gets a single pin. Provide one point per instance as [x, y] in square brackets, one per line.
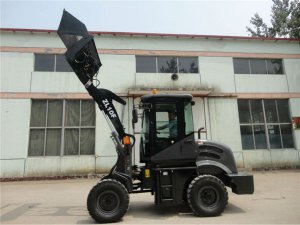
[108, 201]
[207, 196]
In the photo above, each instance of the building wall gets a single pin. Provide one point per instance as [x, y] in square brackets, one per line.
[218, 112]
[15, 116]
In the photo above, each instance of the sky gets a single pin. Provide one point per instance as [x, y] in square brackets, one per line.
[204, 17]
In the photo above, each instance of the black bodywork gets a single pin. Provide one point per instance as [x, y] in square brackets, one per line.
[173, 167]
[171, 154]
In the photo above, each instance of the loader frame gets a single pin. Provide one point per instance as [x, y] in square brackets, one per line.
[177, 167]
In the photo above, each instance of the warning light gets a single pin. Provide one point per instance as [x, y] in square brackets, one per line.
[126, 140]
[154, 91]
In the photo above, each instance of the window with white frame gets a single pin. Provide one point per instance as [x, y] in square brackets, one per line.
[166, 64]
[62, 127]
[51, 63]
[257, 66]
[265, 124]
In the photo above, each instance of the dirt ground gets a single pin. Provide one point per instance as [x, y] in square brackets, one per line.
[276, 201]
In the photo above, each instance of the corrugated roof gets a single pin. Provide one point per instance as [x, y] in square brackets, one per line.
[220, 37]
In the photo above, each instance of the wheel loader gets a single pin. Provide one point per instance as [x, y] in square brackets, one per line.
[177, 168]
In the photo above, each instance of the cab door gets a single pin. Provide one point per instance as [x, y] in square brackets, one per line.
[166, 126]
[167, 147]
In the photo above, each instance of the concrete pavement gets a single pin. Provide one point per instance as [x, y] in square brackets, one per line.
[276, 201]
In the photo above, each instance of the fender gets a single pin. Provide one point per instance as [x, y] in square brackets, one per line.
[221, 166]
[217, 154]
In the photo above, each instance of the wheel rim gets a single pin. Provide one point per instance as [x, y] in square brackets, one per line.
[108, 202]
[208, 196]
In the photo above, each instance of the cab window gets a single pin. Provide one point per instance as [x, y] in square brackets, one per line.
[188, 117]
[145, 134]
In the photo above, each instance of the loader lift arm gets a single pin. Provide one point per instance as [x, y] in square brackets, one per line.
[83, 57]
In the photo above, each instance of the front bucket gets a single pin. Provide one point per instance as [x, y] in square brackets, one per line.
[82, 53]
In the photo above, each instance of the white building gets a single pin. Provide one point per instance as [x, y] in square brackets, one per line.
[247, 90]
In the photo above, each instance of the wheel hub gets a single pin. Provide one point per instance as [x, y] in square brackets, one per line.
[108, 201]
[208, 196]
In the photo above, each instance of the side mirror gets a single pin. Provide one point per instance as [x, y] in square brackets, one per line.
[134, 116]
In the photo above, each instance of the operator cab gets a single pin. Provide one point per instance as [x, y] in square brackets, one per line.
[167, 129]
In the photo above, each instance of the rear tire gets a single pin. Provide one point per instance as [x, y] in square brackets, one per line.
[108, 201]
[207, 196]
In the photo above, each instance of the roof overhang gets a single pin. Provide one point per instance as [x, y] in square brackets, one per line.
[131, 34]
[196, 93]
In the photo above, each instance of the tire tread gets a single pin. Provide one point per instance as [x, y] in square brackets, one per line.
[208, 178]
[90, 205]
